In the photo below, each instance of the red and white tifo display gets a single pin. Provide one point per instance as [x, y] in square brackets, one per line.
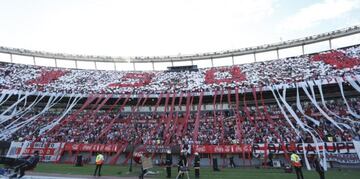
[325, 66]
[307, 104]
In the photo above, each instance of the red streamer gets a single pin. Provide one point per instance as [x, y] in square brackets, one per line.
[197, 121]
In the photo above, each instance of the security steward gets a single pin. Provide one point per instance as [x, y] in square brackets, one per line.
[99, 161]
[296, 163]
[168, 163]
[197, 165]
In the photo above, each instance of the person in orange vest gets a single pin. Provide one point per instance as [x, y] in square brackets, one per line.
[99, 161]
[296, 163]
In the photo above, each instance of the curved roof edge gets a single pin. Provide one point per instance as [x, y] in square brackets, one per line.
[220, 54]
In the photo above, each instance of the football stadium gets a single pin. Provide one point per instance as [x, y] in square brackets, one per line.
[186, 89]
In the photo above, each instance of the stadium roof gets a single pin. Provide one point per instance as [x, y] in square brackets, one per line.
[211, 55]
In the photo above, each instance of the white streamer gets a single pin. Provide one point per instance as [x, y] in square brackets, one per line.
[2, 96]
[318, 107]
[16, 103]
[327, 109]
[49, 101]
[357, 78]
[9, 131]
[290, 123]
[10, 94]
[345, 101]
[66, 111]
[298, 105]
[22, 112]
[303, 126]
[23, 148]
[353, 83]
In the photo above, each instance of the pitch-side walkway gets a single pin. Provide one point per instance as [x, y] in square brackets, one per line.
[33, 175]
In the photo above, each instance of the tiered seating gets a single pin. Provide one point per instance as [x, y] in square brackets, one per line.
[249, 124]
[221, 129]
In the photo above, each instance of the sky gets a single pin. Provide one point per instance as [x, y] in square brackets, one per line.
[165, 27]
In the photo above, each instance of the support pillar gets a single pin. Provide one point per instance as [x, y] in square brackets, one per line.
[303, 49]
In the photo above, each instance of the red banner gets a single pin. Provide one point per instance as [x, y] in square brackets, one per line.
[92, 147]
[221, 148]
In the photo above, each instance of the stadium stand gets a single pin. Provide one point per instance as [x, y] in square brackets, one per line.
[235, 105]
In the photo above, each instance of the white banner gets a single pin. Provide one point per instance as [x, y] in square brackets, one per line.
[307, 148]
[357, 147]
[48, 152]
[343, 158]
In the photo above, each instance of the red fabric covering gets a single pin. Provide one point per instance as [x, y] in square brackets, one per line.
[220, 122]
[215, 109]
[197, 121]
[181, 121]
[236, 75]
[337, 59]
[107, 128]
[142, 79]
[157, 104]
[239, 118]
[47, 77]
[170, 116]
[189, 103]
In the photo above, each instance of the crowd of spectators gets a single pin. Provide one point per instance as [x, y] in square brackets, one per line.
[308, 67]
[227, 126]
[214, 128]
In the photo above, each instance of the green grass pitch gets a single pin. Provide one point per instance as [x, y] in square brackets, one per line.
[206, 173]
